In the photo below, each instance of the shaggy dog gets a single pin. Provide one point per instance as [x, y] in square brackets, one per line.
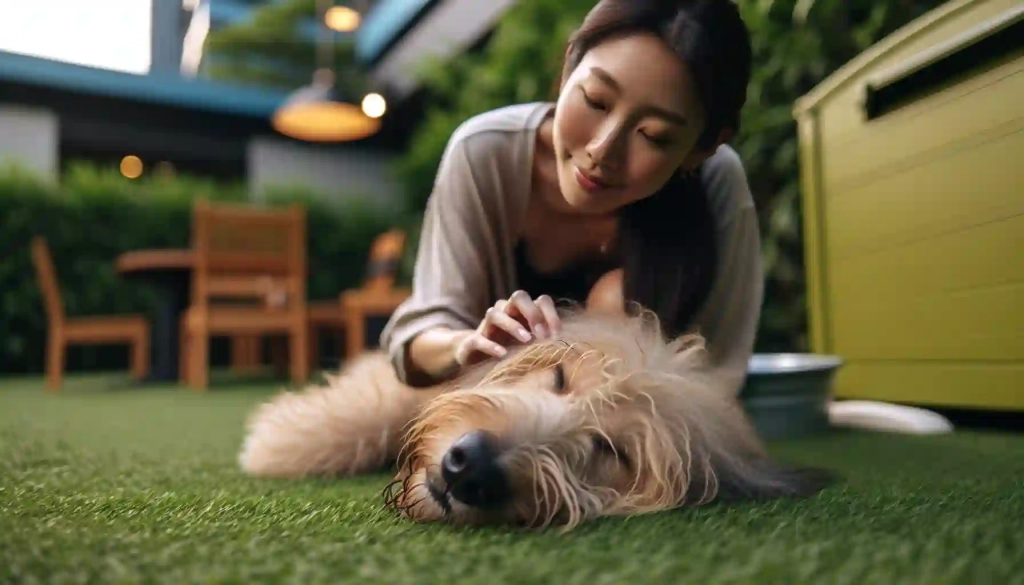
[606, 418]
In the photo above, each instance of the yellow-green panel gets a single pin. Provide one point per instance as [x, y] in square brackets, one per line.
[975, 324]
[813, 205]
[841, 111]
[927, 129]
[960, 296]
[960, 384]
[975, 185]
[985, 256]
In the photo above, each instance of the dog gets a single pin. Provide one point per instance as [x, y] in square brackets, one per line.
[606, 418]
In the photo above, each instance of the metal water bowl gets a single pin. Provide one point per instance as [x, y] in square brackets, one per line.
[787, 395]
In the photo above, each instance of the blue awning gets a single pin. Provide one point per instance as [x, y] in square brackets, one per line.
[386, 24]
[160, 89]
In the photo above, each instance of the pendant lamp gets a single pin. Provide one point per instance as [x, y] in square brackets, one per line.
[318, 112]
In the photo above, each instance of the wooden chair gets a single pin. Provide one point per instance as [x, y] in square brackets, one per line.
[63, 331]
[244, 253]
[376, 297]
[346, 316]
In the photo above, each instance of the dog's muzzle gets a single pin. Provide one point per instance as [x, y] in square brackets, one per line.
[472, 472]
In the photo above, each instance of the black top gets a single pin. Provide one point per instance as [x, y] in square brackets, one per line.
[570, 284]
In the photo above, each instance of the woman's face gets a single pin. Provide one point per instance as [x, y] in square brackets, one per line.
[627, 118]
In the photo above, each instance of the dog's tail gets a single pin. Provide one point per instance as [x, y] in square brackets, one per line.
[351, 425]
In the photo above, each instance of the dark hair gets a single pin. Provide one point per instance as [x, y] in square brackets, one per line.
[667, 241]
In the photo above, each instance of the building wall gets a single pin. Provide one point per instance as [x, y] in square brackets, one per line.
[168, 31]
[30, 137]
[348, 173]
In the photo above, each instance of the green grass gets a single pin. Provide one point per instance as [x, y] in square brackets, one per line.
[114, 484]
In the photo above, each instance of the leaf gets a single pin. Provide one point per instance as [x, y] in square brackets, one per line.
[801, 10]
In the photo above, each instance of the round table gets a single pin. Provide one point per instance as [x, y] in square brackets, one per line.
[170, 273]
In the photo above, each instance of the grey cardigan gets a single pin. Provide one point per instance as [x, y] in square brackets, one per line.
[473, 219]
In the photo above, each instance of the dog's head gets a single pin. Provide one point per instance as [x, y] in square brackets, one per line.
[605, 419]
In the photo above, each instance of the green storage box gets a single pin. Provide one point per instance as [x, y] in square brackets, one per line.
[912, 164]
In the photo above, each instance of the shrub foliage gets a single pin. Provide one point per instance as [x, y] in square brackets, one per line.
[92, 217]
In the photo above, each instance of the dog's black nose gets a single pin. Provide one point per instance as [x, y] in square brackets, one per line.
[472, 472]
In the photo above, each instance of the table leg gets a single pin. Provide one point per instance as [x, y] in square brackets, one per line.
[172, 295]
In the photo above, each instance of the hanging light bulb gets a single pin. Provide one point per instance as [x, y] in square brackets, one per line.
[318, 113]
[342, 19]
[374, 105]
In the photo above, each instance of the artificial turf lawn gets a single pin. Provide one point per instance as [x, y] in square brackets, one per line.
[140, 485]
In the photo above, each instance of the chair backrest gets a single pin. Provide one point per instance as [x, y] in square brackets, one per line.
[247, 252]
[46, 274]
[385, 260]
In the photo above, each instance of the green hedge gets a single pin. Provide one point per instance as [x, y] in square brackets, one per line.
[93, 216]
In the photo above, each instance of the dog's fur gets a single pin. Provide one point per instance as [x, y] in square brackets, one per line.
[638, 426]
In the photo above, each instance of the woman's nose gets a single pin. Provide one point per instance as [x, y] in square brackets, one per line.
[605, 148]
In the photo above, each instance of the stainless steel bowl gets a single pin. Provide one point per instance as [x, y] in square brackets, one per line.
[778, 363]
[787, 394]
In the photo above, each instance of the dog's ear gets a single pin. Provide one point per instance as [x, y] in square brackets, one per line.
[763, 479]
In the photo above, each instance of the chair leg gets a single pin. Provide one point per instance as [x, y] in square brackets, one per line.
[199, 360]
[55, 356]
[140, 356]
[238, 343]
[313, 347]
[254, 357]
[183, 357]
[279, 354]
[299, 354]
[355, 329]
[245, 352]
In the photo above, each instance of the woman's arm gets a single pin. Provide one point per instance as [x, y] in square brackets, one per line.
[451, 277]
[730, 317]
[430, 356]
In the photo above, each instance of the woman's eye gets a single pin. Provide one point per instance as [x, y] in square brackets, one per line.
[591, 102]
[657, 140]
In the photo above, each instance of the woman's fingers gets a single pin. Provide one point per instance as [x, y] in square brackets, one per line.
[506, 322]
[547, 308]
[478, 343]
[521, 302]
[502, 320]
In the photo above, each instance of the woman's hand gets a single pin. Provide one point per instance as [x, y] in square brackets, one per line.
[519, 319]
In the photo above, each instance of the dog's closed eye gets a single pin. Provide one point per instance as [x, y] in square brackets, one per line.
[604, 447]
[559, 381]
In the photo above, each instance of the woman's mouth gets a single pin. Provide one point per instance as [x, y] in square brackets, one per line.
[588, 183]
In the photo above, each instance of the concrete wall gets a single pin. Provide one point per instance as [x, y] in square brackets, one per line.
[30, 137]
[339, 172]
[167, 33]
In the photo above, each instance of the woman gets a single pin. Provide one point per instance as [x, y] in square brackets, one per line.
[621, 191]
